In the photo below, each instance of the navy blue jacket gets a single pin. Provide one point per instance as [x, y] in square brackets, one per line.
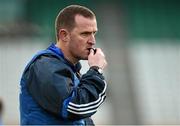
[53, 91]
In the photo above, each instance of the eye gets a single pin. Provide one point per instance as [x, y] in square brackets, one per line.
[85, 33]
[94, 33]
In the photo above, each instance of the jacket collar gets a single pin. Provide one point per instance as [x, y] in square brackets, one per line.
[58, 51]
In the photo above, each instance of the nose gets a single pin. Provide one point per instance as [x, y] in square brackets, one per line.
[92, 39]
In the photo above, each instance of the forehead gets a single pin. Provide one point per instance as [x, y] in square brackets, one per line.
[85, 23]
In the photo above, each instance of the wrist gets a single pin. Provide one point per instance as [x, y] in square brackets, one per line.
[97, 69]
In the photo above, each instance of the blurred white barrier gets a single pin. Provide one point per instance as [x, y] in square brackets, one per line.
[156, 77]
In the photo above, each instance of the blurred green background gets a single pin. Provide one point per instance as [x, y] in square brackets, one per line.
[141, 40]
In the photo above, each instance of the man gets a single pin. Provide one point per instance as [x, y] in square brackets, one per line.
[52, 89]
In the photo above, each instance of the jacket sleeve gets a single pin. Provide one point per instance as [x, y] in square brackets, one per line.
[51, 84]
[88, 95]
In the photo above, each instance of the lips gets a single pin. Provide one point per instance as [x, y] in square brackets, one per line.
[94, 50]
[90, 48]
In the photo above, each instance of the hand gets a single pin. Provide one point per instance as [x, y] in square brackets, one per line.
[97, 59]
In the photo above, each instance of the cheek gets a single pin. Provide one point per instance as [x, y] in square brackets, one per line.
[75, 46]
[79, 47]
[79, 44]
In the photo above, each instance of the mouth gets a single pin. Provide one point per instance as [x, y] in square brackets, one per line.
[91, 48]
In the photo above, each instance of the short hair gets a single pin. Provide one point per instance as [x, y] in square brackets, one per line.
[66, 17]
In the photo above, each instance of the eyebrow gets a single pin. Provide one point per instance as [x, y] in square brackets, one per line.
[88, 32]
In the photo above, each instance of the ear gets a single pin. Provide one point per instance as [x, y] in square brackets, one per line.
[64, 35]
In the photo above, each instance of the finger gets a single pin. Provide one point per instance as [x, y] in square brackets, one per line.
[100, 52]
[91, 51]
[98, 49]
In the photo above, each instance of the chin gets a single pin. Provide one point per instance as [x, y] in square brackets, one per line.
[84, 58]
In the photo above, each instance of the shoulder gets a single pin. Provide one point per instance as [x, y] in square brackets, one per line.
[50, 62]
[49, 65]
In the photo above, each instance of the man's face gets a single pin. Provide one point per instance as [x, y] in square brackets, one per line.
[82, 37]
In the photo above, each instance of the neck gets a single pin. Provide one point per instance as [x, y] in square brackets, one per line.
[66, 53]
